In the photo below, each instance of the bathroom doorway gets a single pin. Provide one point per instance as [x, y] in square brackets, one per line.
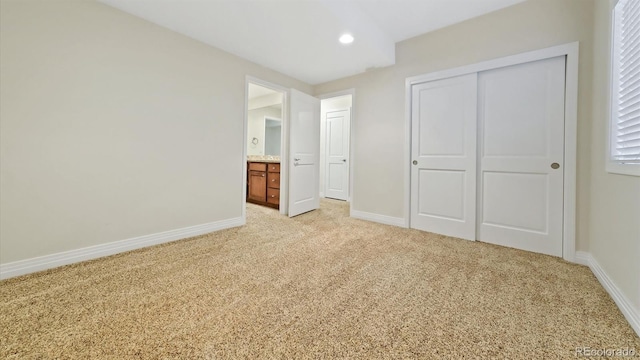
[264, 145]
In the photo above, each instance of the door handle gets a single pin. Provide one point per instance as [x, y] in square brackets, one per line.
[555, 166]
[344, 160]
[296, 159]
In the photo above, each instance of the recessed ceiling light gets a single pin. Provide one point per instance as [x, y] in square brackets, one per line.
[346, 39]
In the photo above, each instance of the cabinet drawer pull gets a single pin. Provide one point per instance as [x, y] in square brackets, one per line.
[262, 175]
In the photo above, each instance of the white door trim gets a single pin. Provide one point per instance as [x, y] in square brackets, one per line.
[284, 148]
[352, 137]
[571, 51]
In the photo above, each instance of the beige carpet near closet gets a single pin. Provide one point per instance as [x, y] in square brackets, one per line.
[320, 285]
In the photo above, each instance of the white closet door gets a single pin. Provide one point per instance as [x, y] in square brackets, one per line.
[443, 170]
[521, 141]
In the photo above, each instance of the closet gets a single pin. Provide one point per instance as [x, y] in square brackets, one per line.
[487, 155]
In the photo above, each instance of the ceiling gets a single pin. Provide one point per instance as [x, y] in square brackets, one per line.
[300, 37]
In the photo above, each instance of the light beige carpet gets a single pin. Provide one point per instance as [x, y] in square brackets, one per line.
[321, 285]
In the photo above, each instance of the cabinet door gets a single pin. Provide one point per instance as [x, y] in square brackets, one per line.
[274, 168]
[254, 166]
[273, 180]
[258, 185]
[273, 196]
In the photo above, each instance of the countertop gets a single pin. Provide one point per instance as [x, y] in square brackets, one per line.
[263, 158]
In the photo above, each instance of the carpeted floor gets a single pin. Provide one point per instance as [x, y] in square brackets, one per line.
[321, 285]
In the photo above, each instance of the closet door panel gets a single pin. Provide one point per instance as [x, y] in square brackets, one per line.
[521, 141]
[443, 172]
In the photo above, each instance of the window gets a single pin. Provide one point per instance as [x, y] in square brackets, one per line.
[625, 89]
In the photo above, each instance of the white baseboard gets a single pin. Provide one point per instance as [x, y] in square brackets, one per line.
[382, 219]
[92, 252]
[582, 258]
[630, 312]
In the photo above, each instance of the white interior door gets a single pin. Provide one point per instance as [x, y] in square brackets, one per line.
[521, 124]
[337, 154]
[304, 153]
[443, 170]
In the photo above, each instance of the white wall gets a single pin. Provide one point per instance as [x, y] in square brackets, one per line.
[256, 127]
[327, 105]
[614, 226]
[112, 127]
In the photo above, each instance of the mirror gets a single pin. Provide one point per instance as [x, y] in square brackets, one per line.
[264, 132]
[272, 129]
[264, 122]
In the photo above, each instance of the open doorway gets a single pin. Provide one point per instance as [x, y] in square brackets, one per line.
[335, 146]
[264, 143]
[286, 178]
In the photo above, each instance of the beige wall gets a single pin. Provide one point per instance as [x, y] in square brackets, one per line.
[380, 102]
[614, 227]
[112, 127]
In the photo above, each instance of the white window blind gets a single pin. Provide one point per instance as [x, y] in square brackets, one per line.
[625, 122]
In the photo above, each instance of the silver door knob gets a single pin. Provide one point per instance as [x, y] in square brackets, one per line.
[415, 162]
[555, 166]
[344, 160]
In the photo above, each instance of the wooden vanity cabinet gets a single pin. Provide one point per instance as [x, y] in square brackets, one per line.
[263, 183]
[273, 184]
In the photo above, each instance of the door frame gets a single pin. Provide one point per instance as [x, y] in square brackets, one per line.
[284, 148]
[351, 92]
[569, 50]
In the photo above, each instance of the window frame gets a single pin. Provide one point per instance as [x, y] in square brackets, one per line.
[612, 165]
